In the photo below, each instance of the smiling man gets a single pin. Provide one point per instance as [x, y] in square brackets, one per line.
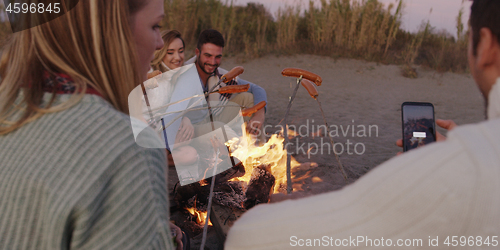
[442, 195]
[208, 59]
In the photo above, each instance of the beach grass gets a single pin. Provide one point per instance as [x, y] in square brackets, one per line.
[361, 29]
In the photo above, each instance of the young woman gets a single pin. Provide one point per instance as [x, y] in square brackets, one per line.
[71, 174]
[170, 57]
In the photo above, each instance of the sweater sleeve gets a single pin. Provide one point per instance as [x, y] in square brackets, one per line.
[127, 206]
[259, 94]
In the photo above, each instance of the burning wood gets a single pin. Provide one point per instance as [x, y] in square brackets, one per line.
[199, 216]
[260, 186]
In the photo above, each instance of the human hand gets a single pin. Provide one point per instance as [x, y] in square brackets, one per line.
[186, 131]
[446, 124]
[178, 235]
[254, 125]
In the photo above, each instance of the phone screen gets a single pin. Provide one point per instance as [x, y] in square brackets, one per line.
[419, 127]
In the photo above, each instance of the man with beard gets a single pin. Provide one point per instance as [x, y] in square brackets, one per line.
[207, 60]
[441, 195]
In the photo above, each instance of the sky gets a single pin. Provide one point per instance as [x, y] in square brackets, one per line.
[443, 16]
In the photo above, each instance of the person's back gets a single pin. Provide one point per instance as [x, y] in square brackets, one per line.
[72, 175]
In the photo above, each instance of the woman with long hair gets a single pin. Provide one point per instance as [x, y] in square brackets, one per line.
[171, 57]
[71, 173]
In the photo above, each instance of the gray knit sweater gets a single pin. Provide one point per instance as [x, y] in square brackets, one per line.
[76, 179]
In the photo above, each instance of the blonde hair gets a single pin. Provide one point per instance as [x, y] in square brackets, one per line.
[168, 37]
[92, 43]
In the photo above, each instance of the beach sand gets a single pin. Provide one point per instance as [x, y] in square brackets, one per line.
[359, 95]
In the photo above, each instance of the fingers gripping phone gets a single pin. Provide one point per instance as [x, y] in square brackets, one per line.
[419, 127]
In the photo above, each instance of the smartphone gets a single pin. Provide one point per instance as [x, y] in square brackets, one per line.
[419, 126]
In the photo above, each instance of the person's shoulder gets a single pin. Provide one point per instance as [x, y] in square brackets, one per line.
[101, 125]
[479, 139]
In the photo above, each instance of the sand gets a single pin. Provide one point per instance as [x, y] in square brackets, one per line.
[366, 96]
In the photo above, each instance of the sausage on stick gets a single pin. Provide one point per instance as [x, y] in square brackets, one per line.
[231, 89]
[252, 110]
[296, 72]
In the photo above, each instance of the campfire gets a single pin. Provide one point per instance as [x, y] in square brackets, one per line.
[260, 173]
[259, 160]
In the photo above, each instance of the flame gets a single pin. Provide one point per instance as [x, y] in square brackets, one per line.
[316, 179]
[271, 153]
[200, 216]
[203, 182]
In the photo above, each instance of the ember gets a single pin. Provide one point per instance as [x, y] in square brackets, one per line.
[199, 216]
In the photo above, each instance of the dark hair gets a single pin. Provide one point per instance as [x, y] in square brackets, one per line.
[484, 14]
[210, 36]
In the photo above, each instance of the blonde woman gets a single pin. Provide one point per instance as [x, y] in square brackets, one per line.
[71, 174]
[170, 57]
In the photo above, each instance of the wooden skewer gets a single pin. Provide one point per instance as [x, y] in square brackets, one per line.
[311, 89]
[289, 188]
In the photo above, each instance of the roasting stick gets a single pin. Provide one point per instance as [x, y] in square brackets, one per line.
[311, 89]
[223, 90]
[233, 73]
[143, 87]
[211, 195]
[300, 74]
[231, 89]
[244, 112]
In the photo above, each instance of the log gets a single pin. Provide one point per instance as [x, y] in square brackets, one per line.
[223, 218]
[260, 186]
[187, 192]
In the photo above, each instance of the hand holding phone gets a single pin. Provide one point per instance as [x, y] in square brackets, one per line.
[419, 127]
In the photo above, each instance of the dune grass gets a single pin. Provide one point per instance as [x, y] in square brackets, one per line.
[362, 29]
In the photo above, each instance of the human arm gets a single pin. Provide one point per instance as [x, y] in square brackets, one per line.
[259, 94]
[126, 206]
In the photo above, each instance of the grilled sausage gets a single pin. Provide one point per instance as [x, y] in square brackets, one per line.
[295, 72]
[310, 87]
[250, 111]
[231, 89]
[236, 71]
